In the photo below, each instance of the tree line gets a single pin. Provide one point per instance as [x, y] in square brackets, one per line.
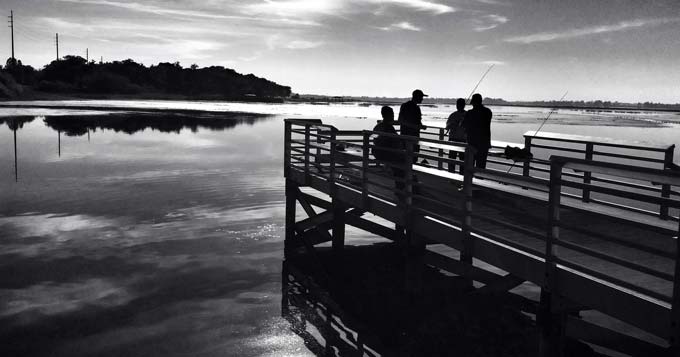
[76, 75]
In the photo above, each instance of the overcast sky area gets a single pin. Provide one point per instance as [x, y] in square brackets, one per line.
[625, 50]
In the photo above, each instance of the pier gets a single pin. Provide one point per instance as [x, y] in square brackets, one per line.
[593, 222]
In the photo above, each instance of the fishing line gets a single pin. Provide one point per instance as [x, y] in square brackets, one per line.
[480, 82]
[552, 111]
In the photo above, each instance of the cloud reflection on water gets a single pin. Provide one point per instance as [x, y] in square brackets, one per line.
[144, 244]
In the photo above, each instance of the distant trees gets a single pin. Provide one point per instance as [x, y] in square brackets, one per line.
[74, 74]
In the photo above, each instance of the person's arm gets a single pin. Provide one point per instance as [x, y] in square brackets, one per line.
[420, 119]
[449, 124]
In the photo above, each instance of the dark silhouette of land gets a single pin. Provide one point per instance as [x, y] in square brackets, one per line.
[566, 104]
[76, 77]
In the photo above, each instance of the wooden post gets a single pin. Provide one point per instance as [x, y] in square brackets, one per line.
[466, 254]
[307, 178]
[587, 175]
[440, 164]
[338, 226]
[526, 169]
[666, 189]
[291, 198]
[552, 324]
[675, 308]
[332, 163]
[286, 148]
[364, 170]
[415, 247]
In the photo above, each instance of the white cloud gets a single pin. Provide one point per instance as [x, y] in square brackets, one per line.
[279, 41]
[303, 45]
[586, 31]
[157, 10]
[419, 5]
[489, 22]
[295, 7]
[311, 8]
[405, 25]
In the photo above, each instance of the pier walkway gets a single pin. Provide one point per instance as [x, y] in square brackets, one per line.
[591, 221]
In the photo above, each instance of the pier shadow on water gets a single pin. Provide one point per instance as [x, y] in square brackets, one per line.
[359, 306]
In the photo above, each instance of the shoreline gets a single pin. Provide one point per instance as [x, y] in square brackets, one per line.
[19, 104]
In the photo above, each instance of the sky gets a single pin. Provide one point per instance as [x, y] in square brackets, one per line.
[617, 50]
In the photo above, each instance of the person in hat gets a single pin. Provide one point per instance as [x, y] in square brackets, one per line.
[410, 117]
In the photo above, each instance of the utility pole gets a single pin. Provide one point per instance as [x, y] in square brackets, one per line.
[87, 55]
[11, 25]
[57, 42]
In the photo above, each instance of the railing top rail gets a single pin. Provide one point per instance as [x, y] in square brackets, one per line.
[453, 145]
[311, 122]
[657, 176]
[582, 139]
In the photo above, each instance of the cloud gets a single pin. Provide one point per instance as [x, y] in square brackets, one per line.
[405, 25]
[586, 31]
[303, 45]
[489, 22]
[418, 5]
[295, 7]
[279, 41]
[157, 10]
[306, 8]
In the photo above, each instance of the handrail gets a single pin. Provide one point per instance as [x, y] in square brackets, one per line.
[620, 170]
[581, 139]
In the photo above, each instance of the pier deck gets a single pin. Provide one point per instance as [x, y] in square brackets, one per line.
[592, 234]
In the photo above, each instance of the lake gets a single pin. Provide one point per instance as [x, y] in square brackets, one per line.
[132, 233]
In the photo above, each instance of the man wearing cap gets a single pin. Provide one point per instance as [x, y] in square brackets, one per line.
[410, 117]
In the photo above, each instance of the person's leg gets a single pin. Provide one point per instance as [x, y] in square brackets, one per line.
[480, 158]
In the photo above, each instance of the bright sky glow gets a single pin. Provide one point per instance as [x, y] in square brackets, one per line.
[624, 50]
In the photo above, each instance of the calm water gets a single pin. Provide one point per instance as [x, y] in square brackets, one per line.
[137, 234]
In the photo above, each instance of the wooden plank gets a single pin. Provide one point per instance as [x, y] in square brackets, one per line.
[372, 227]
[638, 310]
[451, 265]
[501, 284]
[596, 140]
[316, 201]
[658, 176]
[613, 340]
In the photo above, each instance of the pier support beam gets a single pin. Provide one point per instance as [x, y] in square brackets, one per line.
[338, 226]
[552, 324]
[291, 198]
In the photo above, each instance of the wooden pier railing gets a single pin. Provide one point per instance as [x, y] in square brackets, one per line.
[593, 234]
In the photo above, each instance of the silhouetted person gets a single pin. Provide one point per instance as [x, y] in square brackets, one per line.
[411, 119]
[383, 142]
[456, 130]
[478, 125]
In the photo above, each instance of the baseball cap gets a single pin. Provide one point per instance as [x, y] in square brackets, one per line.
[419, 92]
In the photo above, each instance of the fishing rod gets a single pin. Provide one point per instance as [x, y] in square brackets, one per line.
[476, 86]
[480, 82]
[552, 111]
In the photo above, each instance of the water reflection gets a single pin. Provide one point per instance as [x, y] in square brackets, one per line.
[133, 123]
[15, 123]
[129, 123]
